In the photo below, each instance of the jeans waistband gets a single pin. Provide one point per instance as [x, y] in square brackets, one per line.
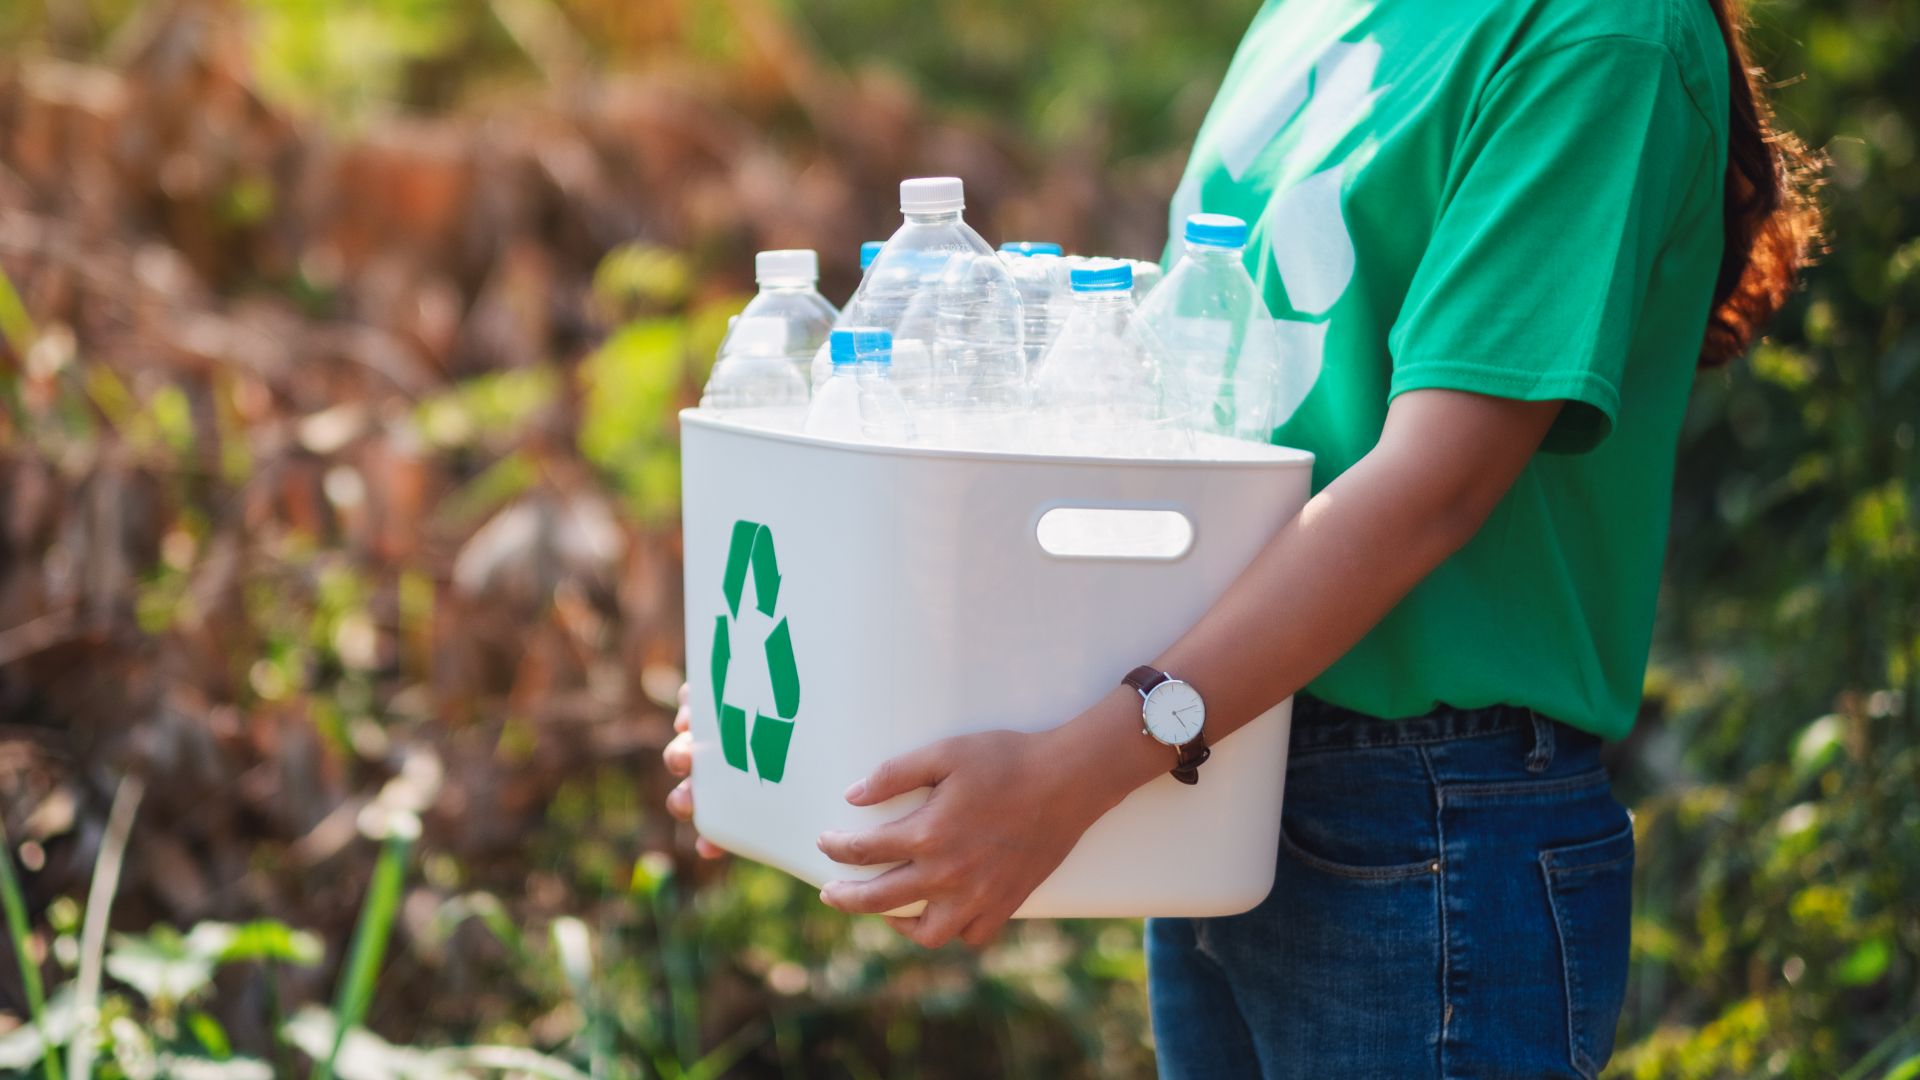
[1322, 725]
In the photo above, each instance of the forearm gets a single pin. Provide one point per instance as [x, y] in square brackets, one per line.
[1324, 581]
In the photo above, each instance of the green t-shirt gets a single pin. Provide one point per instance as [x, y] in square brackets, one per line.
[1519, 198]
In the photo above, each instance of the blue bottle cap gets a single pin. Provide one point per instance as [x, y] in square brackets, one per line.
[860, 344]
[1030, 247]
[1101, 275]
[1216, 230]
[868, 250]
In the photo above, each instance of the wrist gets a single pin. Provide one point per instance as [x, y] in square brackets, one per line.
[1103, 753]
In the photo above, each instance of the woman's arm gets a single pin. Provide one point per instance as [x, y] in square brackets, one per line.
[1443, 461]
[1006, 807]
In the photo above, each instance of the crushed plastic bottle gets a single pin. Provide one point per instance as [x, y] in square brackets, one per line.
[1036, 270]
[859, 400]
[1219, 336]
[1146, 275]
[1100, 388]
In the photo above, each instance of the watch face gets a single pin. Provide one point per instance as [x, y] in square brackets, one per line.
[1174, 712]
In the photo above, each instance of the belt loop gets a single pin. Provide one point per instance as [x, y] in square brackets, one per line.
[1541, 755]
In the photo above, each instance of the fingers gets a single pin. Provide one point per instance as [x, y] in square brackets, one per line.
[685, 692]
[982, 931]
[929, 930]
[895, 841]
[897, 887]
[680, 800]
[897, 776]
[678, 754]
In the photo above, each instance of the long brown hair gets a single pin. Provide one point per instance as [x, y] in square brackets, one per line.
[1772, 221]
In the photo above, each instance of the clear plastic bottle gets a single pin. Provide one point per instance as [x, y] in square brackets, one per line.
[958, 348]
[762, 360]
[787, 321]
[1100, 388]
[859, 400]
[822, 365]
[1035, 267]
[1031, 247]
[1145, 276]
[1218, 333]
[899, 291]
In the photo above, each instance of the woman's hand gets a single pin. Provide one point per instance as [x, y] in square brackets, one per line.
[678, 757]
[1005, 810]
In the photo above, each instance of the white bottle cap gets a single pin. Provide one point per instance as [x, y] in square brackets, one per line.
[932, 195]
[799, 266]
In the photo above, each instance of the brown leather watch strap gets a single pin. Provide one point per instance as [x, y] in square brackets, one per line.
[1192, 753]
[1145, 677]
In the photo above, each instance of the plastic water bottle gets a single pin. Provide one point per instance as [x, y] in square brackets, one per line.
[954, 311]
[1036, 270]
[1030, 247]
[859, 400]
[822, 365]
[1145, 276]
[898, 292]
[1219, 335]
[787, 321]
[779, 329]
[1100, 387]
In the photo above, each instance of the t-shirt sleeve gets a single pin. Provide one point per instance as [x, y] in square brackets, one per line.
[1566, 184]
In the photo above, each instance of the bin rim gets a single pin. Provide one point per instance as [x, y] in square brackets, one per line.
[1258, 456]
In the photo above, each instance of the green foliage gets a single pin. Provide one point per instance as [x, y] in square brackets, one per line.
[1138, 75]
[344, 58]
[1780, 835]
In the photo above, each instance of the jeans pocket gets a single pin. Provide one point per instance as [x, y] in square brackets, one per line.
[1396, 872]
[1590, 887]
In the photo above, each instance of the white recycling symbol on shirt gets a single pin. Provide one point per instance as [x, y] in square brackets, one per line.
[1316, 261]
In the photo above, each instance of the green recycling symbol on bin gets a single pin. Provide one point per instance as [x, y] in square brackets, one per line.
[752, 548]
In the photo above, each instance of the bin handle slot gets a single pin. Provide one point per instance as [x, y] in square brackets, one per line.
[1155, 533]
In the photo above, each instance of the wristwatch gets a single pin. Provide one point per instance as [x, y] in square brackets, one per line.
[1172, 713]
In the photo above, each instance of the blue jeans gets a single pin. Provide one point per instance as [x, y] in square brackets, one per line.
[1452, 899]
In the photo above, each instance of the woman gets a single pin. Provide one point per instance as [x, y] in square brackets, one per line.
[1509, 231]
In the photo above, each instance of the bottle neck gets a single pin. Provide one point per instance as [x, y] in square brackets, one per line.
[944, 217]
[1213, 254]
[1111, 300]
[787, 285]
[1110, 310]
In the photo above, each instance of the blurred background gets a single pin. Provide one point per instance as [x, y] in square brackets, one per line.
[339, 581]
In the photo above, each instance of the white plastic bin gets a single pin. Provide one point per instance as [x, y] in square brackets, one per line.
[911, 589]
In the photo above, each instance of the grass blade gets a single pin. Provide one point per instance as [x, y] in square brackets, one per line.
[16, 326]
[15, 901]
[573, 944]
[93, 927]
[370, 936]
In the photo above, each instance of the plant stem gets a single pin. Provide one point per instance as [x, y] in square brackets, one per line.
[1879, 1053]
[14, 899]
[370, 936]
[93, 928]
